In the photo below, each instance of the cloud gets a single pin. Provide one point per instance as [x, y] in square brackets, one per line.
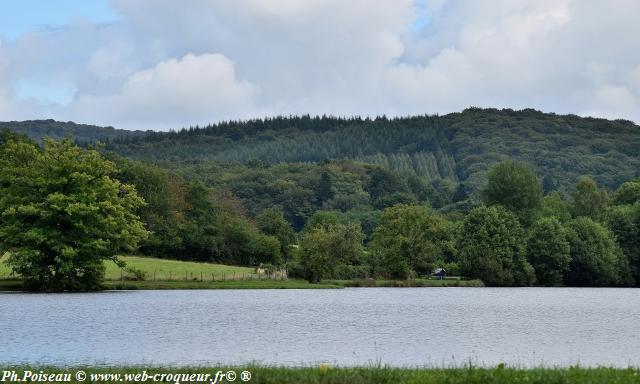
[168, 64]
[562, 56]
[191, 90]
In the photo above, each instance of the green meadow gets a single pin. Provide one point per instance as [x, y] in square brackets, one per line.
[164, 269]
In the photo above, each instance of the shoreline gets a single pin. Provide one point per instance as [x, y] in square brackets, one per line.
[15, 285]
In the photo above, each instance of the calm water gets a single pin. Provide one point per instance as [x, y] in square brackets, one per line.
[429, 326]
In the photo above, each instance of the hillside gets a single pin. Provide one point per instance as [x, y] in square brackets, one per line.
[459, 146]
[81, 133]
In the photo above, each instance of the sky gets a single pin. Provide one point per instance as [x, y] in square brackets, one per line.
[166, 64]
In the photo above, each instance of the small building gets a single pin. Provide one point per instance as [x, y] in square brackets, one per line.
[440, 273]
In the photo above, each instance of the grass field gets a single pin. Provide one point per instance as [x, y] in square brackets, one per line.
[174, 274]
[165, 269]
[177, 270]
[371, 375]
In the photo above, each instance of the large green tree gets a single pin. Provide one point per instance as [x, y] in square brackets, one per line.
[491, 247]
[324, 248]
[63, 214]
[271, 221]
[548, 251]
[516, 187]
[628, 193]
[411, 239]
[596, 259]
[553, 205]
[624, 223]
[588, 199]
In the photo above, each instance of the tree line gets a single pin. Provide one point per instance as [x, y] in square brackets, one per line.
[65, 209]
[514, 236]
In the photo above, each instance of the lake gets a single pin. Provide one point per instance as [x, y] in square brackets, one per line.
[359, 326]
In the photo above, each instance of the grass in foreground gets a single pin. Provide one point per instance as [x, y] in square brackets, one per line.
[378, 375]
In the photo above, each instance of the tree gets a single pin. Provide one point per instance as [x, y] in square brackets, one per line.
[324, 219]
[491, 247]
[163, 193]
[548, 251]
[588, 199]
[596, 259]
[323, 248]
[628, 193]
[553, 205]
[201, 233]
[441, 192]
[418, 186]
[624, 223]
[272, 222]
[241, 243]
[383, 182]
[516, 187]
[411, 239]
[324, 191]
[63, 214]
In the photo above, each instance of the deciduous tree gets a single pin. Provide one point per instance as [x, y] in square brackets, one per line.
[63, 214]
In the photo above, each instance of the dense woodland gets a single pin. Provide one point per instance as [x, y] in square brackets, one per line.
[509, 197]
[81, 133]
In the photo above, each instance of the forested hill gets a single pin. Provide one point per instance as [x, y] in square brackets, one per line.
[459, 146]
[81, 133]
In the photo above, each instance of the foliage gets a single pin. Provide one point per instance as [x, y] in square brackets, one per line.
[164, 194]
[596, 259]
[63, 214]
[491, 248]
[515, 187]
[272, 222]
[628, 193]
[38, 130]
[553, 205]
[411, 239]
[548, 251]
[624, 223]
[323, 248]
[588, 199]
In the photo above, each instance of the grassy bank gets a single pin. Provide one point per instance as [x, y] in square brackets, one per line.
[230, 284]
[16, 284]
[375, 375]
[369, 283]
[163, 269]
[175, 274]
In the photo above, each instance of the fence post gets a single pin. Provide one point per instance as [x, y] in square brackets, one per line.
[201, 276]
[234, 275]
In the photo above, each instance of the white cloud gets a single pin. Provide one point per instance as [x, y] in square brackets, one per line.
[168, 64]
[191, 90]
[562, 56]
